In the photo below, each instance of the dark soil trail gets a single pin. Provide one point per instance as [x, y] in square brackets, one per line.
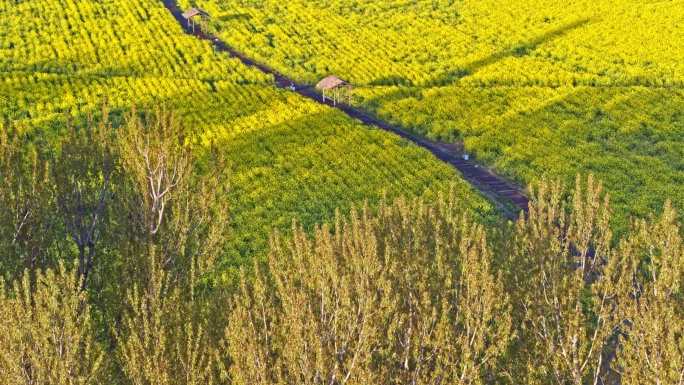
[484, 181]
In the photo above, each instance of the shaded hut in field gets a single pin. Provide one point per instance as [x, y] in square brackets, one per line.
[336, 90]
[204, 17]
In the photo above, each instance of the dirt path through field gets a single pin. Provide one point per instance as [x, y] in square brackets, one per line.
[503, 192]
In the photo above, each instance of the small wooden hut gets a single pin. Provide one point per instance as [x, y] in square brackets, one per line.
[203, 16]
[336, 90]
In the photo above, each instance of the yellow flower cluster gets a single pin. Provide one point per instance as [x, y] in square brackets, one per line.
[474, 42]
[107, 39]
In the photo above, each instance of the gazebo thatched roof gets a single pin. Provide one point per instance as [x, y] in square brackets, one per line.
[331, 82]
[194, 12]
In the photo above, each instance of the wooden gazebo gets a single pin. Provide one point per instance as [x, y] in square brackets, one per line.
[204, 19]
[341, 90]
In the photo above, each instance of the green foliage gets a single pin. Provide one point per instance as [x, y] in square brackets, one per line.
[83, 175]
[27, 203]
[162, 339]
[412, 294]
[407, 296]
[654, 265]
[46, 331]
[561, 265]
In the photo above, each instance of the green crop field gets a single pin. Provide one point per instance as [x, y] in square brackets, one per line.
[531, 88]
[293, 159]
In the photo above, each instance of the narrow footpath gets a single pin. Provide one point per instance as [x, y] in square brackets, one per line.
[489, 184]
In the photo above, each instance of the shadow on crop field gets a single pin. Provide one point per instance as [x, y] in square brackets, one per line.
[518, 51]
[237, 16]
[276, 181]
[72, 68]
[392, 80]
[634, 154]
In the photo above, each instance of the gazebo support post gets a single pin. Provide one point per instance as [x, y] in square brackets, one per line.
[205, 23]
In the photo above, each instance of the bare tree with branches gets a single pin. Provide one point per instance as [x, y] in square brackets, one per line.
[175, 202]
[82, 173]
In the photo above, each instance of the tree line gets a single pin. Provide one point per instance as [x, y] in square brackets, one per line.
[109, 237]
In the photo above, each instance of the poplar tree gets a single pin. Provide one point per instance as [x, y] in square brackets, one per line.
[46, 332]
[178, 216]
[162, 338]
[174, 202]
[651, 349]
[27, 203]
[84, 168]
[561, 281]
[403, 297]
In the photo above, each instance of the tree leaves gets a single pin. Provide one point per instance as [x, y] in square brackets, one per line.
[47, 332]
[407, 296]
